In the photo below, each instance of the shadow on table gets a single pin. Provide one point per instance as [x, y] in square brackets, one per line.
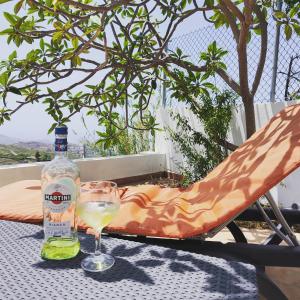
[187, 263]
[39, 235]
[138, 270]
[123, 269]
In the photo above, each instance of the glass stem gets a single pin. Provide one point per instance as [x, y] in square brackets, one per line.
[98, 244]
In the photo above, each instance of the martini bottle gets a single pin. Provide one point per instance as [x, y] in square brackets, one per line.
[60, 190]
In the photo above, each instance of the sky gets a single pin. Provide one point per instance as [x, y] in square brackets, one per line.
[32, 122]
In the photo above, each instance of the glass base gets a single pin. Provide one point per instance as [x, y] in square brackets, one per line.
[97, 263]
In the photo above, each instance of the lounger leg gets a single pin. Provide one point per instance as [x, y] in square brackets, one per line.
[236, 232]
[281, 219]
[272, 225]
[290, 237]
[274, 238]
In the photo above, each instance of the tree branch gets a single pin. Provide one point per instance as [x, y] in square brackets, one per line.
[263, 49]
[235, 10]
[100, 8]
[229, 80]
[231, 20]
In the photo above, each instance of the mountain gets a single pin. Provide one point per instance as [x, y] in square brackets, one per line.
[34, 145]
[30, 144]
[6, 140]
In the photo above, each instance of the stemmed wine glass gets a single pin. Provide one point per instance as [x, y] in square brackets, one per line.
[97, 206]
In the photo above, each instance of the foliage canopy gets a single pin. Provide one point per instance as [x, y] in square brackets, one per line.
[106, 57]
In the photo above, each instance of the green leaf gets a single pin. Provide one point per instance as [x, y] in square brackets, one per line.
[57, 36]
[78, 60]
[6, 117]
[17, 40]
[153, 84]
[288, 31]
[4, 1]
[209, 3]
[57, 25]
[52, 128]
[12, 56]
[14, 90]
[18, 6]
[42, 44]
[294, 11]
[183, 4]
[257, 31]
[10, 18]
[3, 78]
[209, 85]
[74, 60]
[49, 90]
[6, 31]
[179, 52]
[212, 47]
[75, 42]
[9, 39]
[205, 75]
[297, 28]
[280, 15]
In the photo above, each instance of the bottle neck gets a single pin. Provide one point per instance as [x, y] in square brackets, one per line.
[61, 147]
[61, 154]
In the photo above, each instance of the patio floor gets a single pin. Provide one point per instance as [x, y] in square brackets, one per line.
[287, 279]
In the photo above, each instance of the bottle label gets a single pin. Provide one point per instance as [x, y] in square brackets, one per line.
[57, 228]
[61, 145]
[57, 197]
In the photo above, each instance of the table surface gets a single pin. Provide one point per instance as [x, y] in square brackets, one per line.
[141, 271]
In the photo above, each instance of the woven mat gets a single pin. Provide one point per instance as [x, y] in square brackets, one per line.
[141, 271]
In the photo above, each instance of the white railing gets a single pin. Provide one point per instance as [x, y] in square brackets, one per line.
[115, 167]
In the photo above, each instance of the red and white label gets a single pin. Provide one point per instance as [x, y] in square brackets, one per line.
[57, 197]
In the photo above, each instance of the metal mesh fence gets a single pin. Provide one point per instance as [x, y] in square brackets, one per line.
[88, 151]
[192, 44]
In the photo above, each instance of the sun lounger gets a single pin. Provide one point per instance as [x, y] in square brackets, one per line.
[204, 208]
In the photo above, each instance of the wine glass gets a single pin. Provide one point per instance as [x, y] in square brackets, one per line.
[97, 206]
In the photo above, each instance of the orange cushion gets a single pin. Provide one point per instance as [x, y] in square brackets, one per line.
[22, 201]
[261, 162]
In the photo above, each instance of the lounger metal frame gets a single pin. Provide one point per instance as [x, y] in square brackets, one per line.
[283, 231]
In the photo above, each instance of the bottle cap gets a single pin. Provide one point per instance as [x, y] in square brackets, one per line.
[61, 129]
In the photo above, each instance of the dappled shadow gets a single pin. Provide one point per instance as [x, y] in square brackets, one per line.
[39, 235]
[260, 163]
[123, 251]
[190, 264]
[141, 271]
[147, 264]
[122, 270]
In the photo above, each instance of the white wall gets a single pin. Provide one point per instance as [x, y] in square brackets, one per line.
[115, 167]
[285, 193]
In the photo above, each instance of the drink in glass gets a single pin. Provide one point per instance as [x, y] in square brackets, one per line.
[97, 206]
